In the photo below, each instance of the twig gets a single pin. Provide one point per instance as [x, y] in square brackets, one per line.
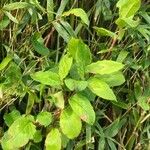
[47, 38]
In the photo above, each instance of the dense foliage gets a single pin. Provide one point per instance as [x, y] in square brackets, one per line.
[74, 74]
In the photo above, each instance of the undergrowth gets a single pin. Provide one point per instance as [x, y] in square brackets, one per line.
[74, 74]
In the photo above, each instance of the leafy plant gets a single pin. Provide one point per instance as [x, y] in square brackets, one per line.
[74, 74]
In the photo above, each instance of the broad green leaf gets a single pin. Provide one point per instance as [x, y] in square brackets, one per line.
[16, 5]
[53, 140]
[64, 66]
[114, 79]
[123, 22]
[50, 10]
[128, 8]
[12, 85]
[122, 56]
[18, 134]
[37, 136]
[11, 117]
[44, 118]
[83, 108]
[79, 13]
[75, 84]
[4, 22]
[104, 32]
[70, 123]
[46, 78]
[79, 51]
[5, 62]
[101, 89]
[104, 67]
[38, 44]
[59, 99]
[143, 103]
[81, 54]
[13, 77]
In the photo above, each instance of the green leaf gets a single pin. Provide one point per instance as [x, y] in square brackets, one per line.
[121, 104]
[113, 129]
[18, 134]
[16, 5]
[46, 78]
[59, 99]
[78, 12]
[122, 56]
[65, 141]
[5, 62]
[53, 140]
[89, 94]
[11, 17]
[62, 31]
[104, 67]
[36, 4]
[70, 123]
[4, 23]
[61, 7]
[111, 144]
[79, 51]
[30, 104]
[81, 54]
[38, 45]
[50, 10]
[83, 108]
[37, 136]
[44, 118]
[11, 117]
[114, 79]
[75, 84]
[101, 143]
[64, 66]
[104, 32]
[143, 102]
[123, 22]
[13, 77]
[68, 28]
[128, 8]
[101, 89]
